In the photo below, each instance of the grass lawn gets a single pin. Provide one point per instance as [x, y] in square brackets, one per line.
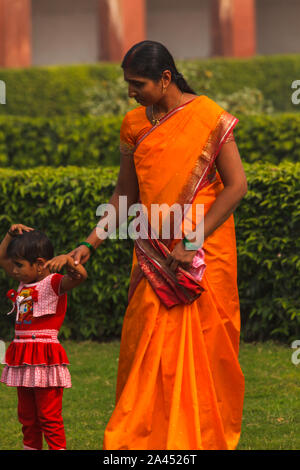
[271, 418]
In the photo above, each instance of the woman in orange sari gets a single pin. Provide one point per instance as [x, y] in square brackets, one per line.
[179, 383]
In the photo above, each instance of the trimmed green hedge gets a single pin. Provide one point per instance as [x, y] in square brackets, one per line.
[268, 243]
[270, 139]
[61, 90]
[63, 202]
[90, 141]
[51, 91]
[29, 142]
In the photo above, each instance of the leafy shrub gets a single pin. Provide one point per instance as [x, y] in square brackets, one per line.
[245, 102]
[52, 91]
[272, 75]
[107, 98]
[68, 90]
[273, 139]
[63, 203]
[94, 141]
[268, 234]
[28, 142]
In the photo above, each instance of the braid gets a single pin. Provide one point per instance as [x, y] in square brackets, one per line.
[182, 83]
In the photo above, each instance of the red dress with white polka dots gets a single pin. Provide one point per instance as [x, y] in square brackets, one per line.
[36, 358]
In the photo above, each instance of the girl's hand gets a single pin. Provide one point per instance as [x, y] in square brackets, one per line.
[58, 262]
[180, 256]
[75, 274]
[80, 255]
[17, 229]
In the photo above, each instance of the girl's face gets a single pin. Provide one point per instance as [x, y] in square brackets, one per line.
[144, 90]
[24, 271]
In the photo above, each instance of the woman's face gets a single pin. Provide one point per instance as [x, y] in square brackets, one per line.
[144, 90]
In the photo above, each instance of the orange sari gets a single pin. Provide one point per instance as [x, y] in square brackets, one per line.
[179, 382]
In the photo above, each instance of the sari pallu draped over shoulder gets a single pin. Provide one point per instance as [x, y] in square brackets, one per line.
[179, 384]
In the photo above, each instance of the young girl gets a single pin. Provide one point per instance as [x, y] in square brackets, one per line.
[35, 361]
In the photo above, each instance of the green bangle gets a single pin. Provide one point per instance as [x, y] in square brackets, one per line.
[88, 245]
[189, 245]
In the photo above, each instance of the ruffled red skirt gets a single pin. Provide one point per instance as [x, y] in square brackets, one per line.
[35, 353]
[42, 362]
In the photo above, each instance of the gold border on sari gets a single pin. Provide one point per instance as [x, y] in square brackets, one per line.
[205, 164]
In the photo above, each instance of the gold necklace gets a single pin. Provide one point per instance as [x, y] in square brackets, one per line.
[156, 121]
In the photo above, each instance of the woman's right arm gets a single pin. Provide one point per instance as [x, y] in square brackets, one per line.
[127, 185]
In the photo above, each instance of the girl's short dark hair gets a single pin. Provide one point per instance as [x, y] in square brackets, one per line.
[30, 246]
[150, 59]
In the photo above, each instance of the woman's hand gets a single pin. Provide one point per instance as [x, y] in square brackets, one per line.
[81, 254]
[180, 256]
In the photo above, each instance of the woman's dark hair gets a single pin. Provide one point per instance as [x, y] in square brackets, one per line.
[150, 59]
[30, 246]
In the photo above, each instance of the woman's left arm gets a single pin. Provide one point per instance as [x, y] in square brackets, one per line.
[233, 176]
[232, 173]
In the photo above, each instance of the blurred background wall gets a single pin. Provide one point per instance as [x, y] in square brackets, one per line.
[278, 26]
[65, 31]
[46, 32]
[184, 28]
